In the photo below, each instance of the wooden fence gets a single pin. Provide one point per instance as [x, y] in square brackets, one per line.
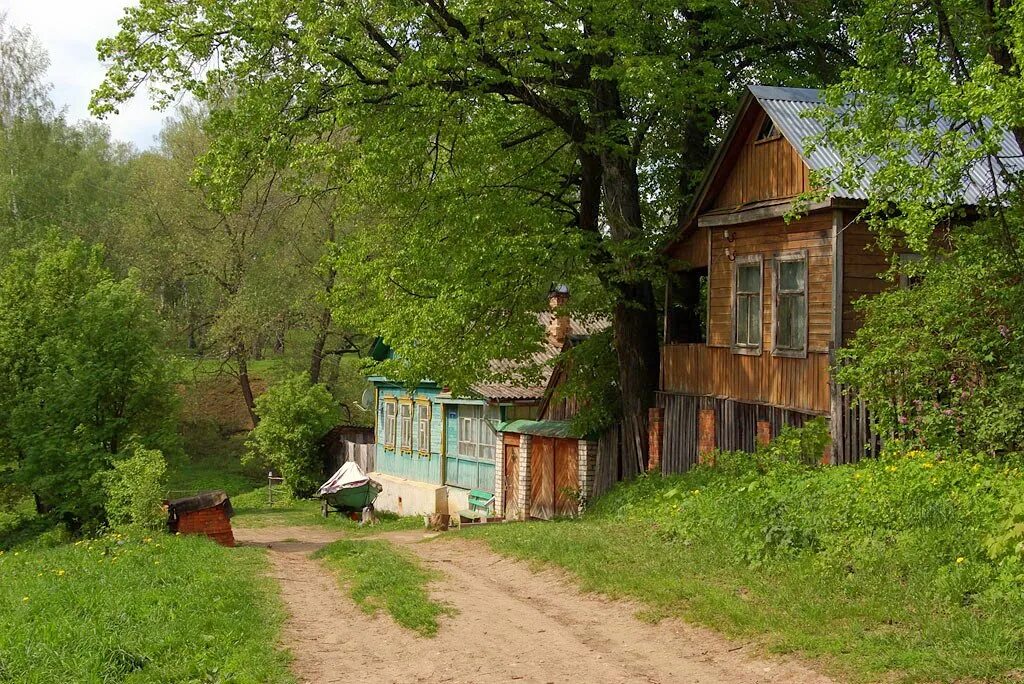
[362, 453]
[615, 461]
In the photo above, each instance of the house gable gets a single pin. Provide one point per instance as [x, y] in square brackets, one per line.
[761, 165]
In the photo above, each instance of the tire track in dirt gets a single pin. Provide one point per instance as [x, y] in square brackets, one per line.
[512, 625]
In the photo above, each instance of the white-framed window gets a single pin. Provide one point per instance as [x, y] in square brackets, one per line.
[476, 435]
[390, 409]
[746, 305]
[405, 425]
[423, 427]
[790, 319]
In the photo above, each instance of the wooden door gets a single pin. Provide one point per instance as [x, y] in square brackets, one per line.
[566, 477]
[542, 478]
[511, 480]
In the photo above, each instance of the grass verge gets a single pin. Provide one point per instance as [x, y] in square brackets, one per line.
[877, 571]
[379, 576]
[139, 609]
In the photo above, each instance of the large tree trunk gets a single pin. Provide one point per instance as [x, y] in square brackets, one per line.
[635, 317]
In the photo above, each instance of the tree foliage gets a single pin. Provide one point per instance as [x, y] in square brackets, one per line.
[932, 106]
[497, 147]
[81, 375]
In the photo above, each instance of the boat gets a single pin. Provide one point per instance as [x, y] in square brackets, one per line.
[349, 490]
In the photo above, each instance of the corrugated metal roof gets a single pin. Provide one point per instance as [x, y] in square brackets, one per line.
[789, 109]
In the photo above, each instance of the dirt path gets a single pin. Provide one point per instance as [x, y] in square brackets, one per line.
[512, 625]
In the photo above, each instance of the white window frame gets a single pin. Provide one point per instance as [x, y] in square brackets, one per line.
[390, 417]
[746, 260]
[422, 417]
[476, 436]
[799, 256]
[405, 425]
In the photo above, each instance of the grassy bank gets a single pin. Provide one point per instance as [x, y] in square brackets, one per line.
[879, 571]
[379, 576]
[144, 609]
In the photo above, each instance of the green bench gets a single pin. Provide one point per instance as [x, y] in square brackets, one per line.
[479, 500]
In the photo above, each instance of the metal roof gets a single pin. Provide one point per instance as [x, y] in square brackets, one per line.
[789, 109]
[541, 428]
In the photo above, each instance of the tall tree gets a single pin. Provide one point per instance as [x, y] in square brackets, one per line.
[591, 121]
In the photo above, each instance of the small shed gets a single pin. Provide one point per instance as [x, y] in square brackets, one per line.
[344, 443]
[208, 513]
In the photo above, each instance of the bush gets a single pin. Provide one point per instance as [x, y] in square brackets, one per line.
[941, 363]
[135, 489]
[294, 417]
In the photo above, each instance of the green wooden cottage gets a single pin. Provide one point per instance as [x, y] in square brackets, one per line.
[434, 448]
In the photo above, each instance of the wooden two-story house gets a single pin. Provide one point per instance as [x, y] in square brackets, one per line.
[756, 305]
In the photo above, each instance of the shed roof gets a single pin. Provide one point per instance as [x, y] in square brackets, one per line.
[541, 428]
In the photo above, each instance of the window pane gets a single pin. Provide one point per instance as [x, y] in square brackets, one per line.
[742, 315]
[792, 276]
[787, 314]
[755, 320]
[750, 278]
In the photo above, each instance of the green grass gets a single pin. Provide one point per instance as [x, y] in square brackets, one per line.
[139, 609]
[874, 579]
[379, 576]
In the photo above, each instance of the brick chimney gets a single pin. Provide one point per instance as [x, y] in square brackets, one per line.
[558, 326]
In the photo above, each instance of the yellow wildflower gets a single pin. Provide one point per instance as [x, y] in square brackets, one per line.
[960, 560]
[60, 573]
[24, 598]
[696, 491]
[927, 465]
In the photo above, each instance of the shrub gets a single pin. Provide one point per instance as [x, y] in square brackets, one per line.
[941, 363]
[294, 416]
[135, 488]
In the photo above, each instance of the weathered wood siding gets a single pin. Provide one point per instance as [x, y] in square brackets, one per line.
[697, 369]
[735, 426]
[764, 170]
[863, 265]
[811, 233]
[691, 251]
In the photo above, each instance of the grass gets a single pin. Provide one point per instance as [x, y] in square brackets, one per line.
[379, 576]
[871, 602]
[139, 609]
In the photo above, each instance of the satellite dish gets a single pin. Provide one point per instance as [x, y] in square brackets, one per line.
[366, 401]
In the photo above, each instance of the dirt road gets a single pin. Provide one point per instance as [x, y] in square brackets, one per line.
[511, 625]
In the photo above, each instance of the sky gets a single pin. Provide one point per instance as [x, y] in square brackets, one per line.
[69, 29]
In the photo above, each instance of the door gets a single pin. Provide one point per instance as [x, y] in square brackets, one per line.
[567, 477]
[542, 478]
[511, 480]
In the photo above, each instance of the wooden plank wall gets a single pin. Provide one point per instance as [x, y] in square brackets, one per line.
[863, 265]
[770, 169]
[735, 426]
[811, 233]
[691, 250]
[697, 369]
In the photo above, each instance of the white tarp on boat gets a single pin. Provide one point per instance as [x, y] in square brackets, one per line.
[349, 475]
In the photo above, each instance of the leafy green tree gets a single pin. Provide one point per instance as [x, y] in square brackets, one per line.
[295, 414]
[934, 102]
[491, 146]
[81, 376]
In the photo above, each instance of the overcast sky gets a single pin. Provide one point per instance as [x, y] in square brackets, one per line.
[69, 29]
